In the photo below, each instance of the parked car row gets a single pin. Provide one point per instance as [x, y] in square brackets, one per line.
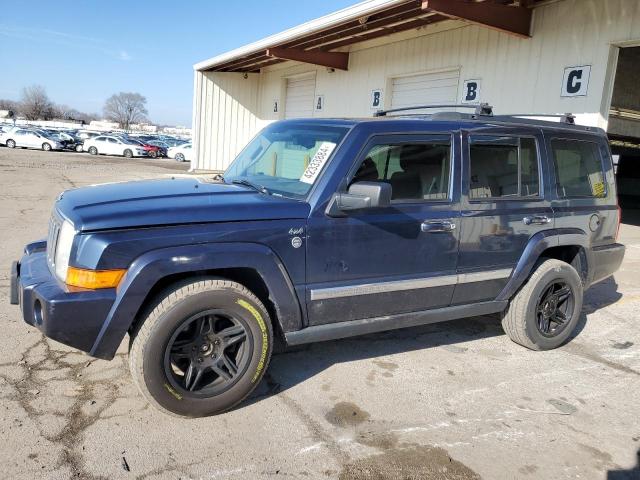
[96, 143]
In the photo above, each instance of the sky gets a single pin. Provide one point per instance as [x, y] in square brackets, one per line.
[82, 52]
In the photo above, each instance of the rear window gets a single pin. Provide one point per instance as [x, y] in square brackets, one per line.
[578, 167]
[503, 167]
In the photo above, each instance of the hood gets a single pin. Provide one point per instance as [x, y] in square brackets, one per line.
[171, 202]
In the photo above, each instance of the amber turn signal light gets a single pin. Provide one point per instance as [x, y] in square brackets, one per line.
[94, 279]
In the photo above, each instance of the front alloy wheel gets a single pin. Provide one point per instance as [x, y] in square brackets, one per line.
[202, 349]
[208, 353]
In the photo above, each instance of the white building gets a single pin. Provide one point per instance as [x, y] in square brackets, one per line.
[535, 56]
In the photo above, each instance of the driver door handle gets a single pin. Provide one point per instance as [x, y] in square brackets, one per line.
[536, 220]
[437, 226]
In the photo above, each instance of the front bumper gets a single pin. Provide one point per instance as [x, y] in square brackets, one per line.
[72, 317]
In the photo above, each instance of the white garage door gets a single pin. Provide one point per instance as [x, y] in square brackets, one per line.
[300, 95]
[425, 89]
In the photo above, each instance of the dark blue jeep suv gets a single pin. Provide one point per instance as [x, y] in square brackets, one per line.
[322, 229]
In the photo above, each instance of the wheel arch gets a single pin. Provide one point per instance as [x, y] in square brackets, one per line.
[254, 266]
[570, 245]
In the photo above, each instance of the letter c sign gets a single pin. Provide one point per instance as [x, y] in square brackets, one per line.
[575, 82]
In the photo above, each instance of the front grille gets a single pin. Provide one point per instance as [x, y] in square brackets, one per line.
[52, 240]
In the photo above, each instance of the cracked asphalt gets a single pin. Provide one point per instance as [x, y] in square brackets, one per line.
[455, 400]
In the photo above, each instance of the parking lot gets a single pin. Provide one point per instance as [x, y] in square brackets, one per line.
[455, 400]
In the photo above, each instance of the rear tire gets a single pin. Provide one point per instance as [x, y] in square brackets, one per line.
[128, 153]
[93, 150]
[11, 144]
[546, 310]
[179, 157]
[185, 332]
[78, 148]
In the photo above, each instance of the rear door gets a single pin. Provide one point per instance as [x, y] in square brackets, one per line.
[584, 185]
[503, 205]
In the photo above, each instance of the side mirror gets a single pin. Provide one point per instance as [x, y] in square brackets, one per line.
[361, 195]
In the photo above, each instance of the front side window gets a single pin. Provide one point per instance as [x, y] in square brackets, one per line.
[286, 158]
[503, 167]
[578, 168]
[416, 171]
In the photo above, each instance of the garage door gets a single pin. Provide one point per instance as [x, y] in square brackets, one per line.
[428, 88]
[300, 94]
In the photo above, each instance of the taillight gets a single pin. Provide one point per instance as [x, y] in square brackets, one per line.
[619, 222]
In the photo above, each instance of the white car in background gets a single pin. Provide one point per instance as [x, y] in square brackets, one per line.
[111, 145]
[181, 153]
[27, 138]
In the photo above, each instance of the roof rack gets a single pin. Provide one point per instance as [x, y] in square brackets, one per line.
[483, 109]
[568, 118]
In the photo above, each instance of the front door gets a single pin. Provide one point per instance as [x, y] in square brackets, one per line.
[399, 259]
[503, 205]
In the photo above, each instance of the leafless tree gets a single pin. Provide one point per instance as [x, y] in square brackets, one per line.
[126, 108]
[35, 104]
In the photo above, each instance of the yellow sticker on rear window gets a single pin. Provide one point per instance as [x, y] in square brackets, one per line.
[598, 189]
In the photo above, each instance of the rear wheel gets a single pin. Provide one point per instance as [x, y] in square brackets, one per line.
[93, 150]
[153, 153]
[128, 153]
[11, 143]
[46, 147]
[179, 157]
[546, 310]
[202, 349]
[78, 148]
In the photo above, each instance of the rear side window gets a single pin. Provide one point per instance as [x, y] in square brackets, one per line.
[578, 168]
[503, 167]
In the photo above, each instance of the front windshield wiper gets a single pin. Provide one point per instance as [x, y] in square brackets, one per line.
[255, 186]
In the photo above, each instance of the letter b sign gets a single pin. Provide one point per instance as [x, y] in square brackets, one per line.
[471, 91]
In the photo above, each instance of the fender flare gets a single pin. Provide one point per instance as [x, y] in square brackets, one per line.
[537, 244]
[151, 267]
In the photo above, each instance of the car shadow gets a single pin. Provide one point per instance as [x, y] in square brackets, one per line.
[632, 474]
[295, 366]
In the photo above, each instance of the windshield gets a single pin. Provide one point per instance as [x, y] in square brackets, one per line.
[286, 158]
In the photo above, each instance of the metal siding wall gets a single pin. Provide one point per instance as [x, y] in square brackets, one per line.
[226, 105]
[518, 75]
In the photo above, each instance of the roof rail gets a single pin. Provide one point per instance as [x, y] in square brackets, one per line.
[568, 118]
[480, 108]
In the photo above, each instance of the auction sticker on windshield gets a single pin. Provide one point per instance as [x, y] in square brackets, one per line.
[317, 162]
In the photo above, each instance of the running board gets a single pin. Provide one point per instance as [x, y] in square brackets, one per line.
[332, 331]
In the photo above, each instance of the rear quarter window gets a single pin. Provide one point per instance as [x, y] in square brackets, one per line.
[579, 168]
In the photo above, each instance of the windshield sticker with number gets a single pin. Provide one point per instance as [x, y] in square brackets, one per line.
[317, 162]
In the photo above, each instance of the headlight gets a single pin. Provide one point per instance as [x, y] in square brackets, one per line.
[63, 250]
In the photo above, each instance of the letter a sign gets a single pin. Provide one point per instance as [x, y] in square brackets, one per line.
[575, 82]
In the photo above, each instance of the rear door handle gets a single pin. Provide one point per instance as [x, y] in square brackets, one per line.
[436, 226]
[536, 220]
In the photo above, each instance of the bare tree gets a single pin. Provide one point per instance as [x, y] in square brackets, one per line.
[35, 104]
[126, 108]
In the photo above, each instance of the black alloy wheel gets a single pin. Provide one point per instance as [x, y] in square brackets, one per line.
[208, 353]
[555, 308]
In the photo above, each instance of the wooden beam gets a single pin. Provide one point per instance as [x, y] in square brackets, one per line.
[512, 20]
[339, 60]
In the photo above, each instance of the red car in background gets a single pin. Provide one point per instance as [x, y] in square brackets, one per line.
[153, 151]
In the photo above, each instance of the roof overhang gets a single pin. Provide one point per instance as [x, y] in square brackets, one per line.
[315, 42]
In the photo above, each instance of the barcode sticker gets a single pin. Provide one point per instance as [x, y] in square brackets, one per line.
[317, 162]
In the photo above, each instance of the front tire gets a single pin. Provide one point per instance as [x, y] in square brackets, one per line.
[79, 148]
[202, 349]
[128, 153]
[46, 147]
[179, 157]
[93, 150]
[11, 143]
[546, 310]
